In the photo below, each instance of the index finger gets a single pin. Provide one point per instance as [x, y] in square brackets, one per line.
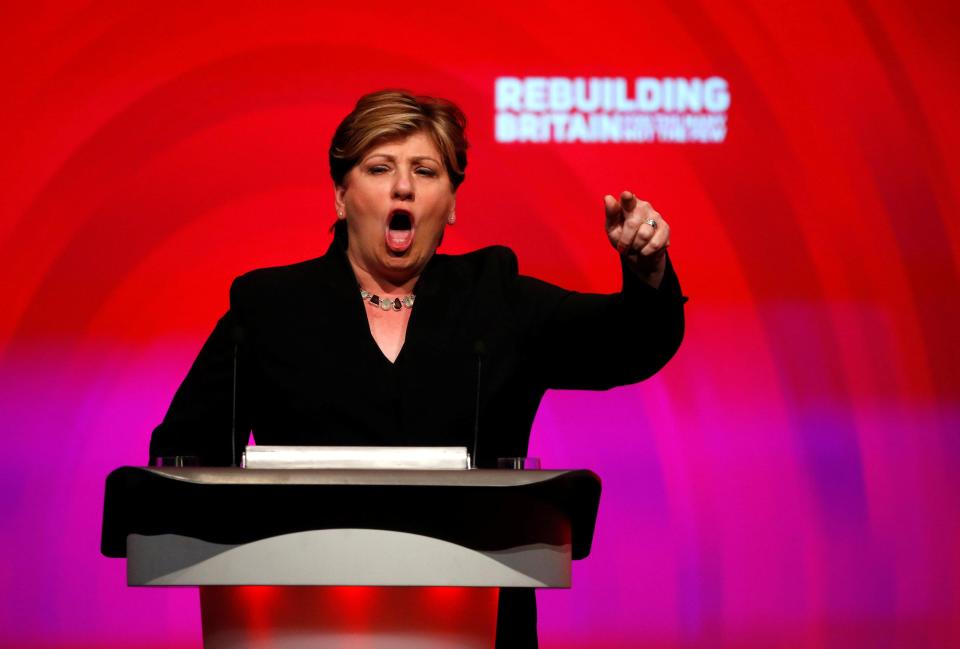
[628, 200]
[613, 209]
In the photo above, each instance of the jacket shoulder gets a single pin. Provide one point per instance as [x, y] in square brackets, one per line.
[484, 261]
[275, 281]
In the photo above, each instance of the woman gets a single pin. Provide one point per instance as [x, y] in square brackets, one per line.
[378, 341]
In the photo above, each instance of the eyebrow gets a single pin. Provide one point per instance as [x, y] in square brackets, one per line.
[416, 158]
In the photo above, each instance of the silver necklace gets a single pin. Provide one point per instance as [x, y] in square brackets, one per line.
[386, 304]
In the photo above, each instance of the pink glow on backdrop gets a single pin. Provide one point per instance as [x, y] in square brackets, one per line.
[789, 480]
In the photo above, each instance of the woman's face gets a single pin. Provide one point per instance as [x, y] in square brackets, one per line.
[397, 201]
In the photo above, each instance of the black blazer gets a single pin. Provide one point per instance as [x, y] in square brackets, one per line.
[309, 371]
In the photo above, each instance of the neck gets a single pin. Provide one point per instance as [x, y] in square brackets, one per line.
[379, 284]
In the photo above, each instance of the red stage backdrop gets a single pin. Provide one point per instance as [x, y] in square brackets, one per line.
[789, 480]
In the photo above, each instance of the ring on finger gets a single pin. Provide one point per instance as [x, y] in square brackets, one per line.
[652, 223]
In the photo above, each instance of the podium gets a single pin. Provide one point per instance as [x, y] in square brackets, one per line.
[422, 552]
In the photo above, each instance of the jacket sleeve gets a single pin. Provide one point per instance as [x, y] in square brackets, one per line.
[586, 341]
[201, 416]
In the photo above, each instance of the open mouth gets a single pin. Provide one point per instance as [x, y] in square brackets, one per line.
[399, 234]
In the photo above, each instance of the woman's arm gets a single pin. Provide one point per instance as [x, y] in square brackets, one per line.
[595, 342]
[200, 419]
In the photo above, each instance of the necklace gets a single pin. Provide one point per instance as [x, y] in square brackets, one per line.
[386, 304]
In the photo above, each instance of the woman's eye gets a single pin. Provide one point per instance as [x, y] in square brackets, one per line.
[378, 169]
[426, 171]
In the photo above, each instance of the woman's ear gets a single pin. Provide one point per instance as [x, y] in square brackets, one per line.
[338, 202]
[452, 218]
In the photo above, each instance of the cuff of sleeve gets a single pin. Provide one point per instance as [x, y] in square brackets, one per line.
[669, 289]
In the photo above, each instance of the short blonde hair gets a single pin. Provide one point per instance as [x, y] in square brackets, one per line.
[390, 114]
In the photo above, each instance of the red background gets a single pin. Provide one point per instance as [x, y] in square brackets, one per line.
[789, 480]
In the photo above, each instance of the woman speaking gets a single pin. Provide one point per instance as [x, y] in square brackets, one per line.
[378, 341]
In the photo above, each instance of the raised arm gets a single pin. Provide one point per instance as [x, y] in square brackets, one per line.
[595, 342]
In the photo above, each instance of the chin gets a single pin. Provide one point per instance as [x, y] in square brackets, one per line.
[406, 261]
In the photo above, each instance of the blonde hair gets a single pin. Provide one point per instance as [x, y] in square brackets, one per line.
[390, 114]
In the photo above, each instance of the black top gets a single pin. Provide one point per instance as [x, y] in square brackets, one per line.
[309, 371]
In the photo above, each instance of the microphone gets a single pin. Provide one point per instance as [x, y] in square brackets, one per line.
[480, 349]
[237, 334]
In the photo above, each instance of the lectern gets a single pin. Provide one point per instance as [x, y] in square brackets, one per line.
[297, 533]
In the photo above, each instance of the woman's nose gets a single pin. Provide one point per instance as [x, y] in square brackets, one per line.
[403, 187]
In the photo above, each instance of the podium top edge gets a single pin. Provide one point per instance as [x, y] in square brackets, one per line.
[372, 477]
[213, 503]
